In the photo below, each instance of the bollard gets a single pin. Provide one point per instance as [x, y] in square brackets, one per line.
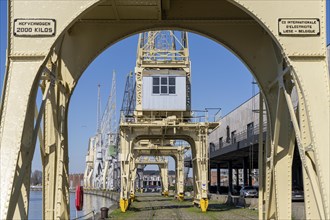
[104, 212]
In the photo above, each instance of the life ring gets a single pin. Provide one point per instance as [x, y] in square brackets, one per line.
[79, 198]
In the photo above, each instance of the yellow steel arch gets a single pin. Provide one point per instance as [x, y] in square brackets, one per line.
[282, 42]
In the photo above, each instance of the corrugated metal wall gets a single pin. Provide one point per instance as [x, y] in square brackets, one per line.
[173, 102]
[237, 120]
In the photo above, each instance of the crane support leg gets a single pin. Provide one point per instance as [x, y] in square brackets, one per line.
[312, 136]
[17, 137]
[164, 178]
[105, 175]
[126, 157]
[200, 168]
[279, 159]
[180, 174]
[56, 195]
[132, 179]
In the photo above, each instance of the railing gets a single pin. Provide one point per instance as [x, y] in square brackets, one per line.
[243, 135]
[194, 116]
[165, 56]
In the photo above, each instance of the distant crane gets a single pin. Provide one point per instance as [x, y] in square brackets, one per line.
[128, 104]
[103, 173]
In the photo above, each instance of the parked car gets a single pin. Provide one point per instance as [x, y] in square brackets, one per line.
[248, 191]
[297, 193]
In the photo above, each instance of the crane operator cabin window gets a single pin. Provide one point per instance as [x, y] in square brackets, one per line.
[163, 85]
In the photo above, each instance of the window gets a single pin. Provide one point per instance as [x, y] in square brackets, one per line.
[233, 137]
[171, 85]
[163, 85]
[155, 85]
[221, 142]
[228, 134]
[249, 130]
[212, 147]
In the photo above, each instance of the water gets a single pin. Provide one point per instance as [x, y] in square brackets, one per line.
[91, 203]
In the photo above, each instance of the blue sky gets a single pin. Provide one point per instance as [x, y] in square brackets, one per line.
[219, 79]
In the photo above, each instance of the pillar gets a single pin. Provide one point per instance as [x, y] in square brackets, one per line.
[230, 178]
[237, 177]
[250, 177]
[209, 177]
[218, 178]
[245, 177]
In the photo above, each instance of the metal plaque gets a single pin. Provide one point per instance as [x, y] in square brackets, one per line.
[299, 26]
[35, 27]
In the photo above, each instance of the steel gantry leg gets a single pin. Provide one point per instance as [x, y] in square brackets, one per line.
[179, 164]
[88, 182]
[261, 161]
[279, 162]
[157, 160]
[133, 170]
[18, 134]
[313, 154]
[55, 165]
[194, 133]
[126, 157]
[200, 168]
[163, 168]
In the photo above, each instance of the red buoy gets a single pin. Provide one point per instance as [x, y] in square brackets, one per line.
[79, 198]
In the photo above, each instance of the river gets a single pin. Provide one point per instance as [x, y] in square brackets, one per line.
[91, 203]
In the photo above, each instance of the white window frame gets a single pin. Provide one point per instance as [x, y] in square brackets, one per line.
[163, 85]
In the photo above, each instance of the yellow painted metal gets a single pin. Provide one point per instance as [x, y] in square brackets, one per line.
[165, 193]
[193, 133]
[123, 204]
[263, 49]
[204, 203]
[55, 166]
[157, 160]
[261, 161]
[164, 176]
[89, 163]
[177, 152]
[181, 197]
[132, 197]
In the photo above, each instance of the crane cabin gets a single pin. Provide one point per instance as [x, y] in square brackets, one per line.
[163, 75]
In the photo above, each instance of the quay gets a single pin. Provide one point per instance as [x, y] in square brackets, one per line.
[155, 206]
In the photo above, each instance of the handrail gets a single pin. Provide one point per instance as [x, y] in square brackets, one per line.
[195, 116]
[239, 137]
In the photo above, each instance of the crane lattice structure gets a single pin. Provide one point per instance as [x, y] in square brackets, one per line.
[104, 170]
[163, 115]
[128, 103]
[162, 51]
[156, 47]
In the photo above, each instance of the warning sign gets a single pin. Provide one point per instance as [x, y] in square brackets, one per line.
[35, 27]
[299, 26]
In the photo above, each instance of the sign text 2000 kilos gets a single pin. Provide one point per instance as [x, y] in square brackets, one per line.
[34, 27]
